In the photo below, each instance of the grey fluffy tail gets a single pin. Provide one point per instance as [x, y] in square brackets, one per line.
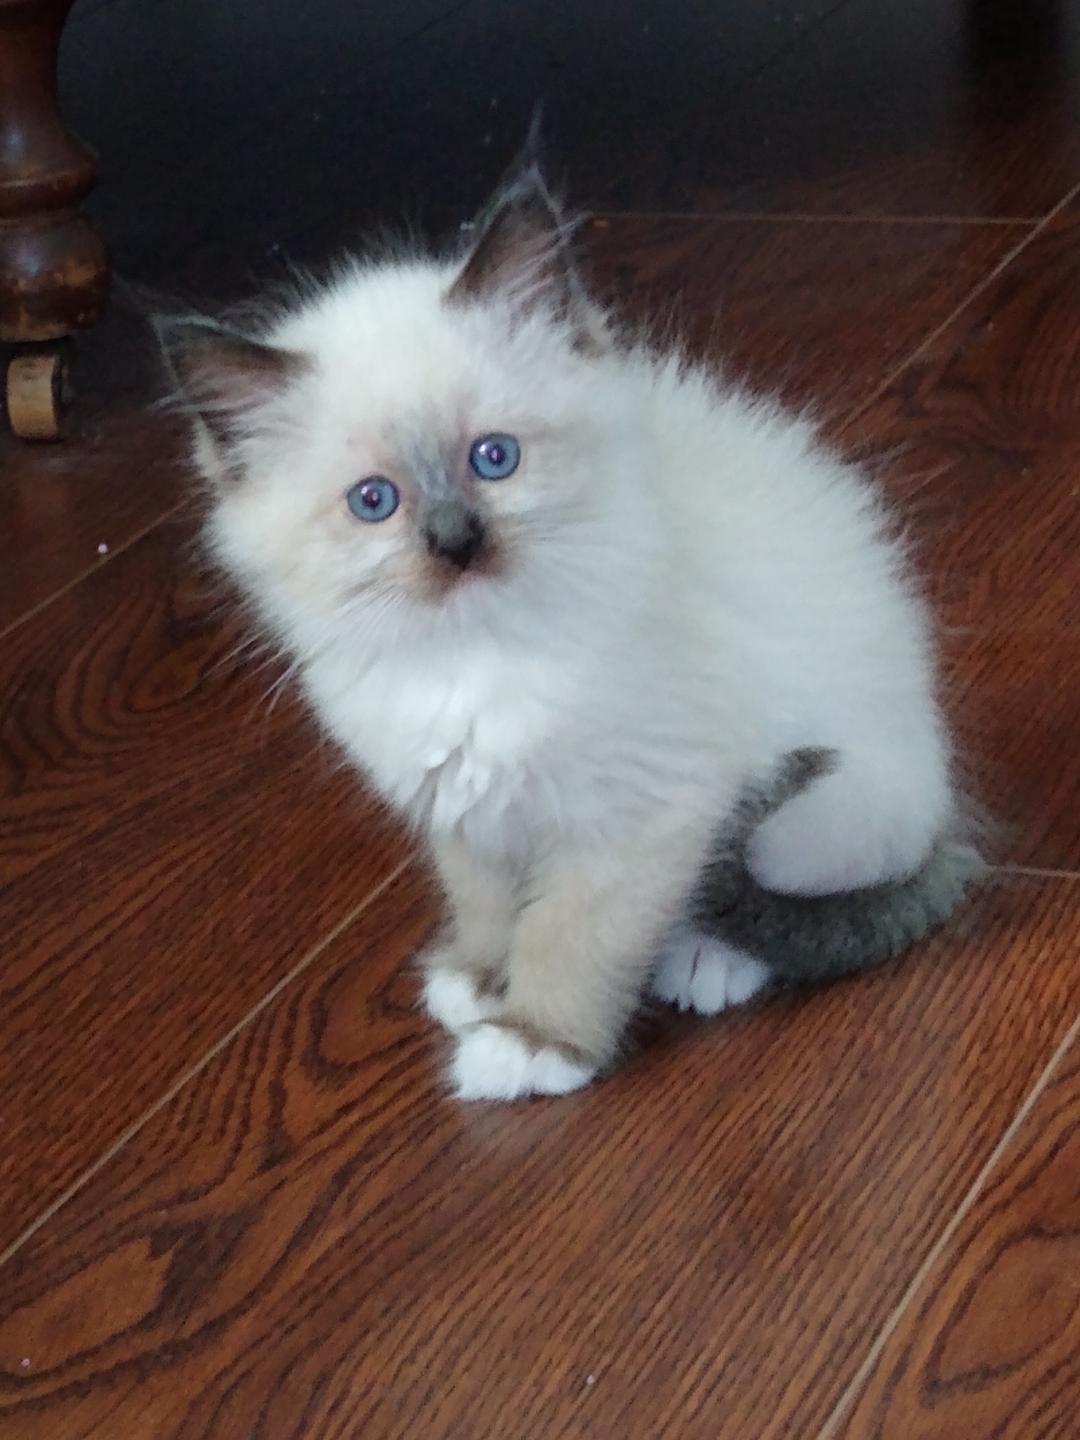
[807, 940]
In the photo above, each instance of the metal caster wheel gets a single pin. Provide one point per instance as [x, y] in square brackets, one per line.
[35, 388]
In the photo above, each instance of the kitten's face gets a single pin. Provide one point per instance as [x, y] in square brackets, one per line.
[415, 458]
[419, 441]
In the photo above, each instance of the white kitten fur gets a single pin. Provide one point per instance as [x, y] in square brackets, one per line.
[451, 997]
[699, 972]
[495, 1064]
[696, 588]
[692, 586]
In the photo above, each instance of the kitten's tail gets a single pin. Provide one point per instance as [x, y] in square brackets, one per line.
[807, 940]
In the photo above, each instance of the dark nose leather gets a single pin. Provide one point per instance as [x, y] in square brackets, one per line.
[454, 533]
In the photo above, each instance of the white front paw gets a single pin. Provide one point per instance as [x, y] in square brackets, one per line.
[699, 972]
[494, 1063]
[452, 998]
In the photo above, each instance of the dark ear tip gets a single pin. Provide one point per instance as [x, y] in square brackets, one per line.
[166, 329]
[532, 152]
[526, 178]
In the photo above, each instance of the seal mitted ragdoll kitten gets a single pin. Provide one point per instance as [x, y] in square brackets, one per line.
[633, 651]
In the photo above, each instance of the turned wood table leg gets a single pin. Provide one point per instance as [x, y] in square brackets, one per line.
[53, 269]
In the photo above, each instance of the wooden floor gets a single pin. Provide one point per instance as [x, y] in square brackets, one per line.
[235, 1202]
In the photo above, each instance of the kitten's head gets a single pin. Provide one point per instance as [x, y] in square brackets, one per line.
[421, 443]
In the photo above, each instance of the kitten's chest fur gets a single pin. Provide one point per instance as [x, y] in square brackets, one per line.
[455, 740]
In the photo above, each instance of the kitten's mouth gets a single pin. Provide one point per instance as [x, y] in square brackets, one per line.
[447, 575]
[459, 546]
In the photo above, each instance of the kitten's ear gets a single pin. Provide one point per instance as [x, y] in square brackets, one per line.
[222, 375]
[523, 252]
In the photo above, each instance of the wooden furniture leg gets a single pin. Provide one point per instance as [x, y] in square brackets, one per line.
[53, 269]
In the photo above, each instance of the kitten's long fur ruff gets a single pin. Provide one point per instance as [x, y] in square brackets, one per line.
[573, 676]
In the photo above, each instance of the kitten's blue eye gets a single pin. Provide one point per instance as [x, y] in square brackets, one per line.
[375, 498]
[494, 457]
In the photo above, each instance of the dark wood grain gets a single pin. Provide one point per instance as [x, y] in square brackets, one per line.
[990, 1344]
[169, 846]
[55, 515]
[982, 437]
[116, 475]
[818, 314]
[1015, 698]
[311, 1241]
[997, 389]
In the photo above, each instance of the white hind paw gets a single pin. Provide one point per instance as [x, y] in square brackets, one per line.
[699, 972]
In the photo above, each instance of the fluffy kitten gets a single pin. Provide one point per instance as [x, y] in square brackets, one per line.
[566, 601]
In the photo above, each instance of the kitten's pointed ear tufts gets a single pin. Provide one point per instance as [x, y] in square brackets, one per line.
[521, 244]
[223, 375]
[523, 250]
[532, 152]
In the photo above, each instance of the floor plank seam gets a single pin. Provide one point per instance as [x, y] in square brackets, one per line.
[991, 275]
[862, 1374]
[1035, 872]
[128, 1134]
[99, 564]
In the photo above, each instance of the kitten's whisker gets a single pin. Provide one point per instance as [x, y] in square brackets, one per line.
[242, 648]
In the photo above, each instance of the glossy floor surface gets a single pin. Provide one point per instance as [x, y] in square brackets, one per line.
[235, 1201]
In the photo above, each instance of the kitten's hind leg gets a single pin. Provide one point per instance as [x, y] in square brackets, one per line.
[463, 967]
[701, 973]
[872, 819]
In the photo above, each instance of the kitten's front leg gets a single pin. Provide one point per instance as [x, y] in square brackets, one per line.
[581, 951]
[464, 966]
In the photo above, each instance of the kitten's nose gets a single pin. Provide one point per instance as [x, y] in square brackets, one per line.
[454, 532]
